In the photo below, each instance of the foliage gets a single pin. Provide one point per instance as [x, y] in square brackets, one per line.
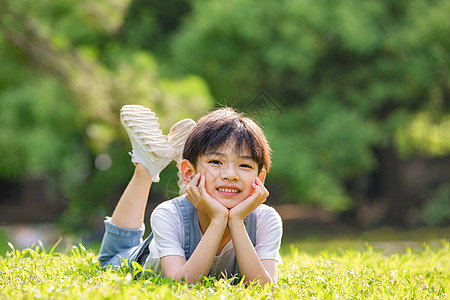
[147, 24]
[343, 78]
[425, 135]
[37, 273]
[346, 82]
[317, 156]
[64, 78]
[437, 210]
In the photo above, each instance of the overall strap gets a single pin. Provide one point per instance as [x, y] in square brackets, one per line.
[191, 227]
[250, 226]
[144, 250]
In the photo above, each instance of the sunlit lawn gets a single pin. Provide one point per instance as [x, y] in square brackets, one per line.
[346, 268]
[384, 239]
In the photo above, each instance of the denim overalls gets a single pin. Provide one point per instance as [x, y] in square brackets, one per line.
[123, 243]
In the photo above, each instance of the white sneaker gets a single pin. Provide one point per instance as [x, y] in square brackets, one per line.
[151, 148]
[177, 136]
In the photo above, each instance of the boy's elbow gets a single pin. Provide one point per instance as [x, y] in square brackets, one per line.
[267, 281]
[188, 279]
[271, 281]
[175, 276]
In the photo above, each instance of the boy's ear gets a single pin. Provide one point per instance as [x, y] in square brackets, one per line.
[262, 175]
[187, 171]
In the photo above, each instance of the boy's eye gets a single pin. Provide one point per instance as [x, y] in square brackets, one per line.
[215, 162]
[246, 166]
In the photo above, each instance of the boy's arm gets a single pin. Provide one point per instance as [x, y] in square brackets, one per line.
[202, 258]
[249, 263]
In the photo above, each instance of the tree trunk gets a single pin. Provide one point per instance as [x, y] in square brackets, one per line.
[388, 186]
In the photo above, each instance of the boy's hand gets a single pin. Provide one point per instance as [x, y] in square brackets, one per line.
[243, 209]
[202, 201]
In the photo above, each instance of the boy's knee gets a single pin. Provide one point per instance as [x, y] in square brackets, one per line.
[114, 262]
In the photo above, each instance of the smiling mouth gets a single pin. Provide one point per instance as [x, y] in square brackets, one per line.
[228, 190]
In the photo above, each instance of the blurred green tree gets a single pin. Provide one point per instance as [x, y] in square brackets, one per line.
[63, 80]
[350, 77]
[350, 86]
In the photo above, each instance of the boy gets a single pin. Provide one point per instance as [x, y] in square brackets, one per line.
[219, 227]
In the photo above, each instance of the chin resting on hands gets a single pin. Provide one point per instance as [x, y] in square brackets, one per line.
[243, 209]
[202, 201]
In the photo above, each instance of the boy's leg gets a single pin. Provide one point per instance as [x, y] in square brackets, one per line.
[152, 152]
[151, 148]
[130, 211]
[150, 155]
[123, 232]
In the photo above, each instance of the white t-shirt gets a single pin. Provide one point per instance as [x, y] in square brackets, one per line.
[168, 239]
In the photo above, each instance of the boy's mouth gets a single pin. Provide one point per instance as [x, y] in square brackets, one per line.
[228, 190]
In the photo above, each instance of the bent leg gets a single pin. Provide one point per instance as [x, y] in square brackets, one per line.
[119, 243]
[124, 230]
[130, 211]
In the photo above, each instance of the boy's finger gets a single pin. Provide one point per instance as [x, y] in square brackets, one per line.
[201, 185]
[193, 195]
[194, 180]
[192, 189]
[259, 195]
[262, 187]
[202, 193]
[189, 195]
[189, 192]
[258, 182]
[258, 189]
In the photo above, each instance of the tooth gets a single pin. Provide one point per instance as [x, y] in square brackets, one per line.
[228, 190]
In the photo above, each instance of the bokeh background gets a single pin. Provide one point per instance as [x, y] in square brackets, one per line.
[353, 96]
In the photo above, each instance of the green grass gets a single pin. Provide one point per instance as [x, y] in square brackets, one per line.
[385, 239]
[3, 242]
[349, 274]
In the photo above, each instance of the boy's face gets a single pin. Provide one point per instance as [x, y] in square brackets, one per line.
[229, 175]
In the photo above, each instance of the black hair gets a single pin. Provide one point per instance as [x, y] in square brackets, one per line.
[226, 126]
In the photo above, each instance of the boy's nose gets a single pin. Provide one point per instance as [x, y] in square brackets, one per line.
[230, 173]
